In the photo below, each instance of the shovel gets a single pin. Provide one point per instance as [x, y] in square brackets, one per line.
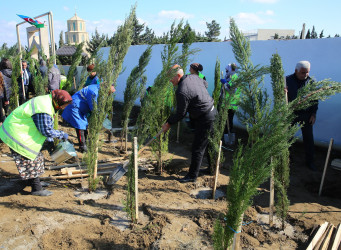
[121, 170]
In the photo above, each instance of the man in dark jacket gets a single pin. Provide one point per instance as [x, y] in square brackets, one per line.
[307, 116]
[27, 79]
[192, 97]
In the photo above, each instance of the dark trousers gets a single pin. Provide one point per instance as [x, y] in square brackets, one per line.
[203, 127]
[81, 136]
[231, 113]
[21, 96]
[2, 110]
[308, 137]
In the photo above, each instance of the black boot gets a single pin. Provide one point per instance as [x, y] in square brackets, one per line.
[37, 189]
[81, 136]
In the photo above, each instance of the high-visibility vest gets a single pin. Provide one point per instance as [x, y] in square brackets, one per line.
[19, 131]
[235, 96]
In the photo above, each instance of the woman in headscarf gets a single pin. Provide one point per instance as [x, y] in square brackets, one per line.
[25, 131]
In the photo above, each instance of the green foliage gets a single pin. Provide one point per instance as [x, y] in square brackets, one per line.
[308, 35]
[102, 107]
[313, 33]
[135, 85]
[281, 162]
[252, 162]
[61, 39]
[157, 105]
[8, 52]
[217, 83]
[14, 98]
[97, 41]
[213, 31]
[137, 30]
[76, 59]
[188, 37]
[129, 204]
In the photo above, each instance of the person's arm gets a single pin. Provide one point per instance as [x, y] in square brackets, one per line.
[181, 109]
[44, 124]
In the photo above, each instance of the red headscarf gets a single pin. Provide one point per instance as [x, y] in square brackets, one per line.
[61, 97]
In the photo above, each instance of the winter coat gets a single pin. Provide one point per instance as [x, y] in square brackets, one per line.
[53, 79]
[7, 76]
[78, 111]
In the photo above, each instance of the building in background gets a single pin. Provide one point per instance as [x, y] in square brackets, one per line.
[76, 31]
[269, 34]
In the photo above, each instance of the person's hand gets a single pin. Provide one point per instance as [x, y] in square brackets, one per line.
[312, 119]
[165, 127]
[6, 103]
[65, 136]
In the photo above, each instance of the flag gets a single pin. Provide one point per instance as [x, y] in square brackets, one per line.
[32, 21]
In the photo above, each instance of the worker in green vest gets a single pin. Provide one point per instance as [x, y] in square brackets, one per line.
[228, 89]
[25, 131]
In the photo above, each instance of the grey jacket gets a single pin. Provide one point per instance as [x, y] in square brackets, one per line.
[7, 76]
[53, 79]
[192, 97]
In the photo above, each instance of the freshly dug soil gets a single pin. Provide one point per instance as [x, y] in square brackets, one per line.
[171, 216]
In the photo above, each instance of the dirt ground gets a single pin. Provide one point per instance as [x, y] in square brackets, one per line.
[171, 215]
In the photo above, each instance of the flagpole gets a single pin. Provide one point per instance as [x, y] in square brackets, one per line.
[19, 48]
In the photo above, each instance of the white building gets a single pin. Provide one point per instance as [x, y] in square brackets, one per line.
[76, 31]
[268, 34]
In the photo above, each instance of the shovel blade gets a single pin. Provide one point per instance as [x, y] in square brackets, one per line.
[117, 174]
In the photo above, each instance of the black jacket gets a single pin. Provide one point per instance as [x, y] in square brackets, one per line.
[191, 97]
[293, 85]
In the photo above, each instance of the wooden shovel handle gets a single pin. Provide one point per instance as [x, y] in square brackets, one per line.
[149, 142]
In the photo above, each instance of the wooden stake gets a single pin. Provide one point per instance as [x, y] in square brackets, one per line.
[136, 180]
[326, 241]
[126, 140]
[236, 237]
[317, 236]
[95, 168]
[337, 238]
[178, 133]
[117, 159]
[272, 197]
[216, 171]
[326, 165]
[74, 82]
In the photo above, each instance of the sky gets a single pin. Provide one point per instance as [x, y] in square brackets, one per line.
[107, 15]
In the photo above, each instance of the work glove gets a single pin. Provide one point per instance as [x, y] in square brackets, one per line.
[65, 136]
[223, 81]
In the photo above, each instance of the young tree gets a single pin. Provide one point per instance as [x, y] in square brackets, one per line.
[276, 36]
[313, 33]
[251, 163]
[113, 67]
[308, 35]
[135, 85]
[213, 31]
[96, 41]
[137, 30]
[14, 98]
[148, 37]
[321, 34]
[76, 59]
[217, 83]
[61, 39]
[281, 162]
[157, 105]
